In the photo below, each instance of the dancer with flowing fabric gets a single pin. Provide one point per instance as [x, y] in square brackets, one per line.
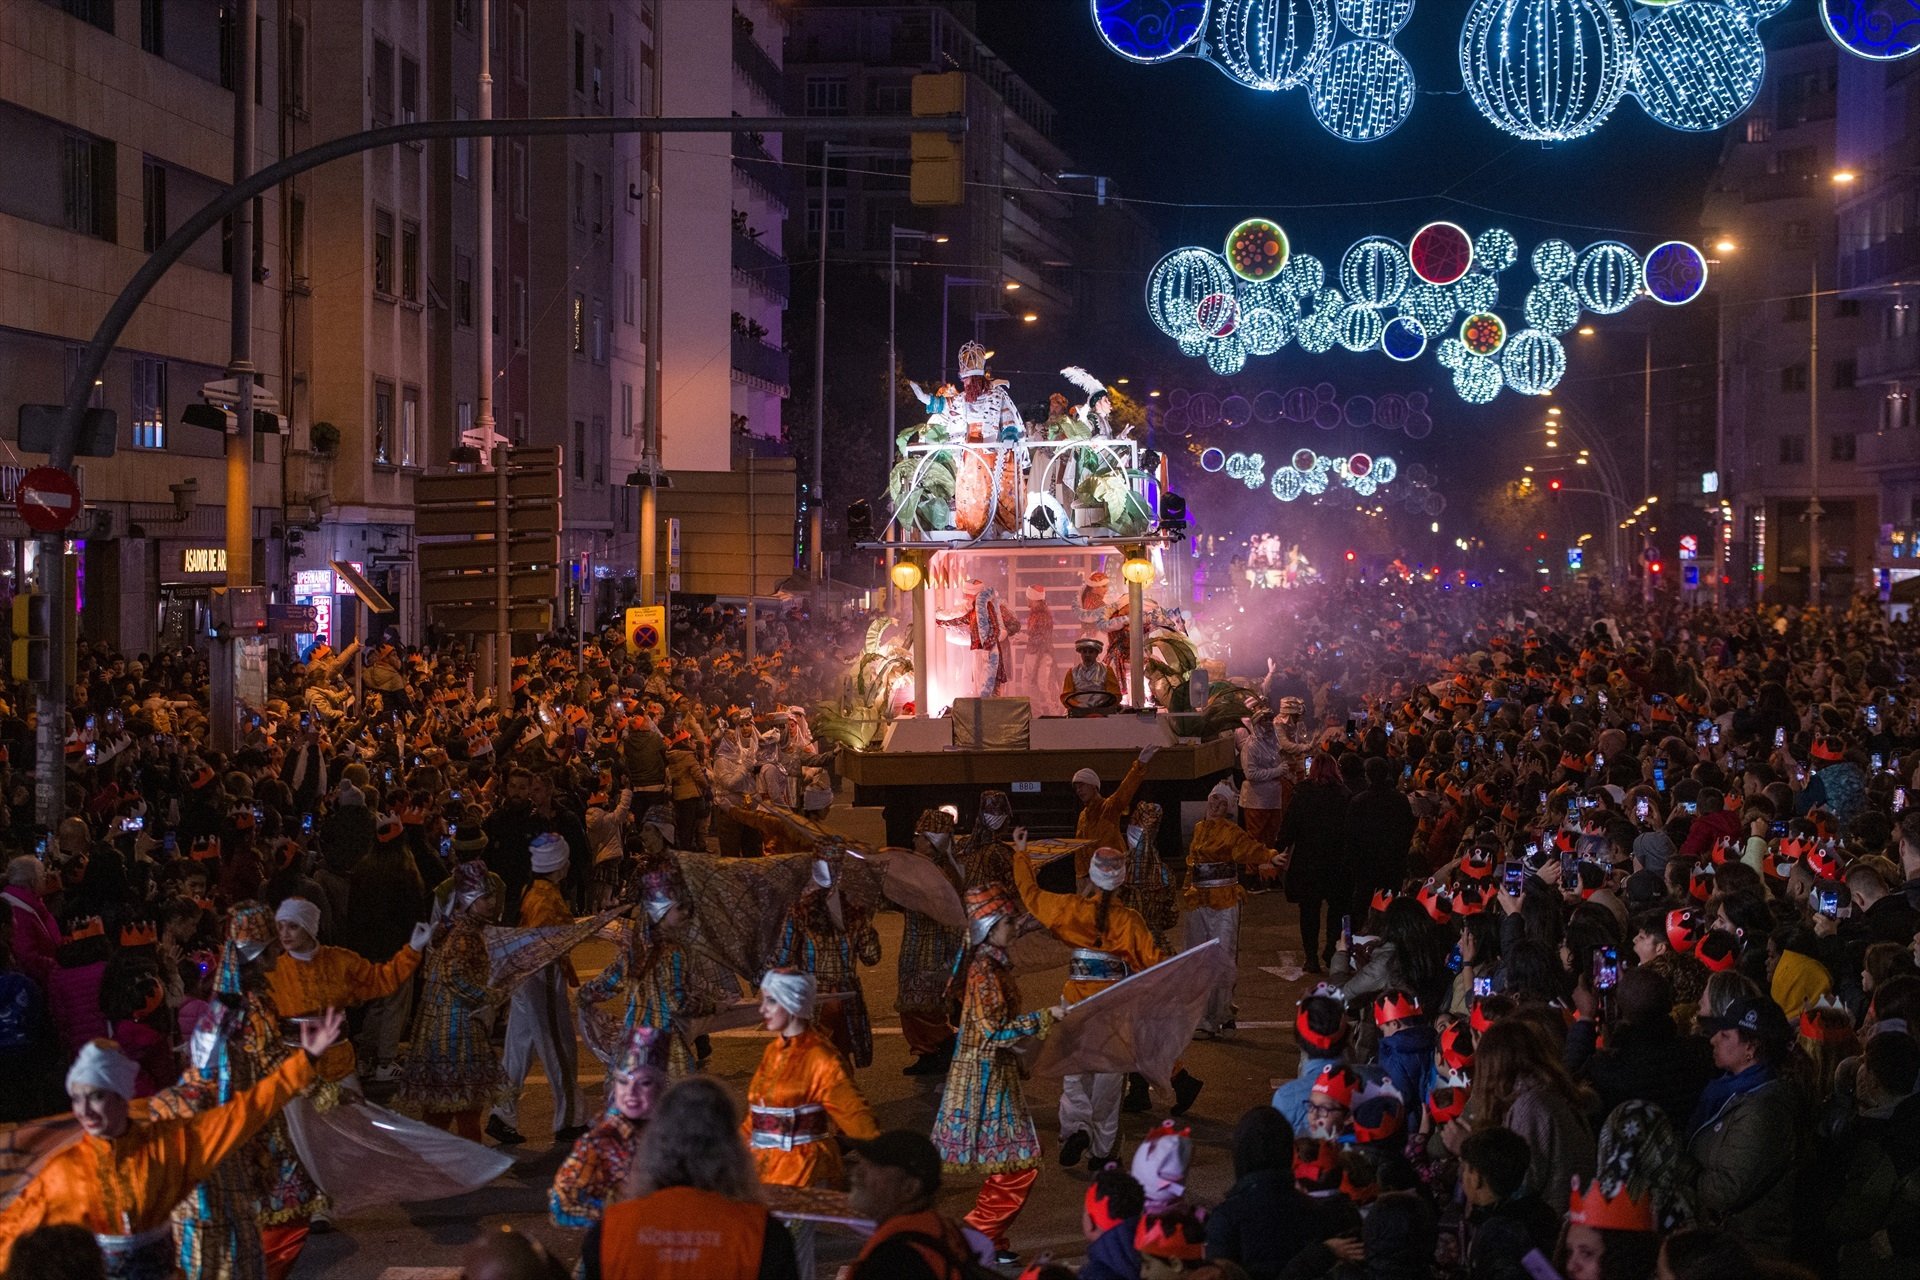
[1217, 854]
[666, 986]
[824, 936]
[928, 951]
[596, 1168]
[452, 1074]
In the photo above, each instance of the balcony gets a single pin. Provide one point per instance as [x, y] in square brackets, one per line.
[758, 168]
[1894, 258]
[755, 362]
[1897, 450]
[1890, 360]
[1778, 186]
[766, 78]
[760, 267]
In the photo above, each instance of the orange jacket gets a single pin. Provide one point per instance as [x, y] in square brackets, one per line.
[1070, 918]
[333, 979]
[682, 1233]
[543, 908]
[799, 1071]
[1220, 840]
[130, 1184]
[1104, 822]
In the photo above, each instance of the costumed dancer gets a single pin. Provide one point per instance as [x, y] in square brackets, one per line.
[1149, 889]
[983, 1125]
[537, 1019]
[1092, 611]
[801, 1092]
[596, 1169]
[984, 414]
[986, 857]
[1037, 640]
[1089, 676]
[658, 974]
[1110, 942]
[250, 1217]
[123, 1177]
[309, 977]
[823, 936]
[1219, 851]
[1098, 825]
[452, 1074]
[989, 633]
[928, 951]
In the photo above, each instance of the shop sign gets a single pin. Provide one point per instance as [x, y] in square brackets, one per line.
[203, 560]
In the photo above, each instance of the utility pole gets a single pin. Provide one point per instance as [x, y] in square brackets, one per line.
[1814, 511]
[646, 581]
[816, 557]
[1646, 461]
[488, 442]
[224, 705]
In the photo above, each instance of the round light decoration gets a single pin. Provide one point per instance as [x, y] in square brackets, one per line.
[1265, 331]
[1496, 249]
[1880, 30]
[1374, 271]
[1554, 260]
[1440, 253]
[1212, 460]
[1359, 464]
[1430, 306]
[1477, 291]
[1385, 470]
[1552, 305]
[1286, 484]
[1360, 327]
[1545, 70]
[1477, 380]
[1304, 459]
[1697, 66]
[1374, 19]
[1403, 339]
[1257, 249]
[1608, 278]
[1364, 92]
[1218, 315]
[1177, 285]
[1483, 333]
[1676, 273]
[1270, 44]
[1149, 31]
[1227, 358]
[1534, 362]
[1303, 276]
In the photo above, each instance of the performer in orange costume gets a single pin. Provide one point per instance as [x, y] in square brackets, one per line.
[1219, 851]
[1101, 818]
[123, 1177]
[801, 1089]
[309, 977]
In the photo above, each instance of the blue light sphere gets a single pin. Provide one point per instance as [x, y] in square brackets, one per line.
[1697, 66]
[1676, 273]
[1878, 30]
[1374, 271]
[1364, 92]
[1149, 31]
[1271, 44]
[1545, 70]
[1403, 340]
[1608, 278]
[1533, 362]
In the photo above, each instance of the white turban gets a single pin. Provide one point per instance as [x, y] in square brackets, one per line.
[101, 1065]
[1108, 870]
[549, 853]
[1223, 791]
[794, 992]
[301, 912]
[1087, 776]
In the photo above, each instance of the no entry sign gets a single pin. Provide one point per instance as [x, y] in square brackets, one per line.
[48, 499]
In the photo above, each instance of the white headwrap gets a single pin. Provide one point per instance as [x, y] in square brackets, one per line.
[1224, 792]
[794, 992]
[301, 912]
[1087, 776]
[549, 853]
[101, 1065]
[1108, 870]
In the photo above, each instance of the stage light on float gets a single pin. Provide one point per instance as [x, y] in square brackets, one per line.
[1137, 569]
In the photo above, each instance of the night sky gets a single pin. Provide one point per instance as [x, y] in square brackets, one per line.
[1197, 152]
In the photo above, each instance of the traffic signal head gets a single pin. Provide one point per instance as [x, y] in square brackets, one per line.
[1654, 567]
[1554, 484]
[937, 175]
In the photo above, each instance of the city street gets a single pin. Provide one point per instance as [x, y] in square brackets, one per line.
[1236, 1070]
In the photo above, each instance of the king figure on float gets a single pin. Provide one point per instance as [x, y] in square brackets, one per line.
[981, 413]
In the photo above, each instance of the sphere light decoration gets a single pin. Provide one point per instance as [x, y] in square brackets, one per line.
[1257, 249]
[1178, 283]
[1697, 66]
[1365, 486]
[1265, 330]
[1440, 253]
[1286, 484]
[1268, 406]
[1236, 466]
[1554, 260]
[1364, 92]
[1758, 9]
[1218, 315]
[1403, 340]
[1533, 362]
[1358, 411]
[1193, 347]
[1385, 469]
[1430, 306]
[1304, 460]
[1227, 357]
[1360, 327]
[905, 574]
[1484, 333]
[1313, 482]
[1271, 44]
[1374, 271]
[1374, 19]
[1212, 460]
[1453, 353]
[1304, 275]
[1477, 291]
[1545, 70]
[1608, 278]
[1360, 464]
[1149, 31]
[1553, 306]
[1477, 380]
[1878, 30]
[1318, 332]
[1496, 249]
[1676, 273]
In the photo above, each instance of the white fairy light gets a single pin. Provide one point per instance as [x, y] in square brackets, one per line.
[1360, 327]
[1364, 92]
[1179, 283]
[1374, 271]
[1533, 362]
[1697, 66]
[1553, 306]
[1545, 70]
[1271, 44]
[1608, 278]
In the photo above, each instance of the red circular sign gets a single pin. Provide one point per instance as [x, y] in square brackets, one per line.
[48, 499]
[1440, 253]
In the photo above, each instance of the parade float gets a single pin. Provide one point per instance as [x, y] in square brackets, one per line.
[1010, 544]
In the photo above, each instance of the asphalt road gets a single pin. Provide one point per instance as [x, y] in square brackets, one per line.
[1237, 1071]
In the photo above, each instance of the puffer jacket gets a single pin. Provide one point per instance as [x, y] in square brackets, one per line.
[1746, 1154]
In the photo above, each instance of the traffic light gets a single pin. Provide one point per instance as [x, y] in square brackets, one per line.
[1349, 557]
[1554, 484]
[1653, 566]
[938, 173]
[32, 624]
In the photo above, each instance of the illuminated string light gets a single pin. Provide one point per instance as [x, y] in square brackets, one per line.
[1360, 327]
[1374, 19]
[1149, 31]
[1496, 249]
[1608, 278]
[1552, 305]
[1533, 362]
[1554, 260]
[1304, 275]
[1271, 44]
[1879, 30]
[1430, 306]
[1477, 291]
[1265, 330]
[1477, 380]
[1374, 271]
[1257, 249]
[1177, 285]
[1364, 92]
[1227, 357]
[1697, 66]
[1484, 333]
[1545, 70]
[1440, 253]
[1218, 314]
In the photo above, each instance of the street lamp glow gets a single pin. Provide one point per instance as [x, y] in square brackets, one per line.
[1121, 382]
[1012, 286]
[1153, 395]
[1581, 460]
[1842, 177]
[941, 239]
[1528, 467]
[1586, 331]
[1434, 527]
[1725, 246]
[1030, 317]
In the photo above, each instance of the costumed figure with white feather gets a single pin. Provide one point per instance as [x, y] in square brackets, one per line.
[983, 413]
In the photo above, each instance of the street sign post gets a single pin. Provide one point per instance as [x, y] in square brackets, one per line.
[48, 499]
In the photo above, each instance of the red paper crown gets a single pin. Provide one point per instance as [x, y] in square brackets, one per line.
[1337, 1082]
[1308, 1035]
[1684, 928]
[139, 934]
[1177, 1233]
[1478, 1018]
[1700, 884]
[1826, 1022]
[1315, 1163]
[1593, 1207]
[1826, 863]
[1098, 1212]
[1829, 750]
[1725, 850]
[1471, 899]
[1448, 1102]
[1478, 864]
[1380, 899]
[205, 849]
[86, 927]
[1719, 951]
[1395, 1006]
[1435, 899]
[1456, 1045]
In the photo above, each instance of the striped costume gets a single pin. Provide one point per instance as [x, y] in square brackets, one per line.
[812, 941]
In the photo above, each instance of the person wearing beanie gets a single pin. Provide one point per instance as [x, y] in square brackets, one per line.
[1216, 855]
[802, 1092]
[537, 1021]
[1110, 942]
[1099, 825]
[121, 1179]
[308, 977]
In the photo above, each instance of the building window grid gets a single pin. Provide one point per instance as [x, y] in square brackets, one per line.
[383, 398]
[410, 261]
[1842, 447]
[626, 410]
[1793, 450]
[296, 90]
[463, 290]
[149, 403]
[383, 253]
[579, 324]
[153, 204]
[382, 83]
[599, 201]
[579, 449]
[462, 149]
[87, 171]
[409, 426]
[599, 451]
[599, 335]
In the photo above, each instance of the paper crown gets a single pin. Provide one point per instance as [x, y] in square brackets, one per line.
[1337, 1083]
[1381, 898]
[1306, 1033]
[1700, 884]
[1828, 749]
[1719, 951]
[1826, 862]
[1378, 1109]
[1456, 1044]
[86, 927]
[1478, 864]
[1620, 1211]
[1178, 1233]
[1684, 929]
[1395, 1006]
[1725, 850]
[1315, 1164]
[1471, 898]
[205, 849]
[140, 933]
[1478, 1018]
[1438, 903]
[1448, 1102]
[1826, 1021]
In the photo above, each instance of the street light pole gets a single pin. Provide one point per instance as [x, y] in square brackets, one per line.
[1646, 460]
[816, 558]
[1814, 511]
[894, 236]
